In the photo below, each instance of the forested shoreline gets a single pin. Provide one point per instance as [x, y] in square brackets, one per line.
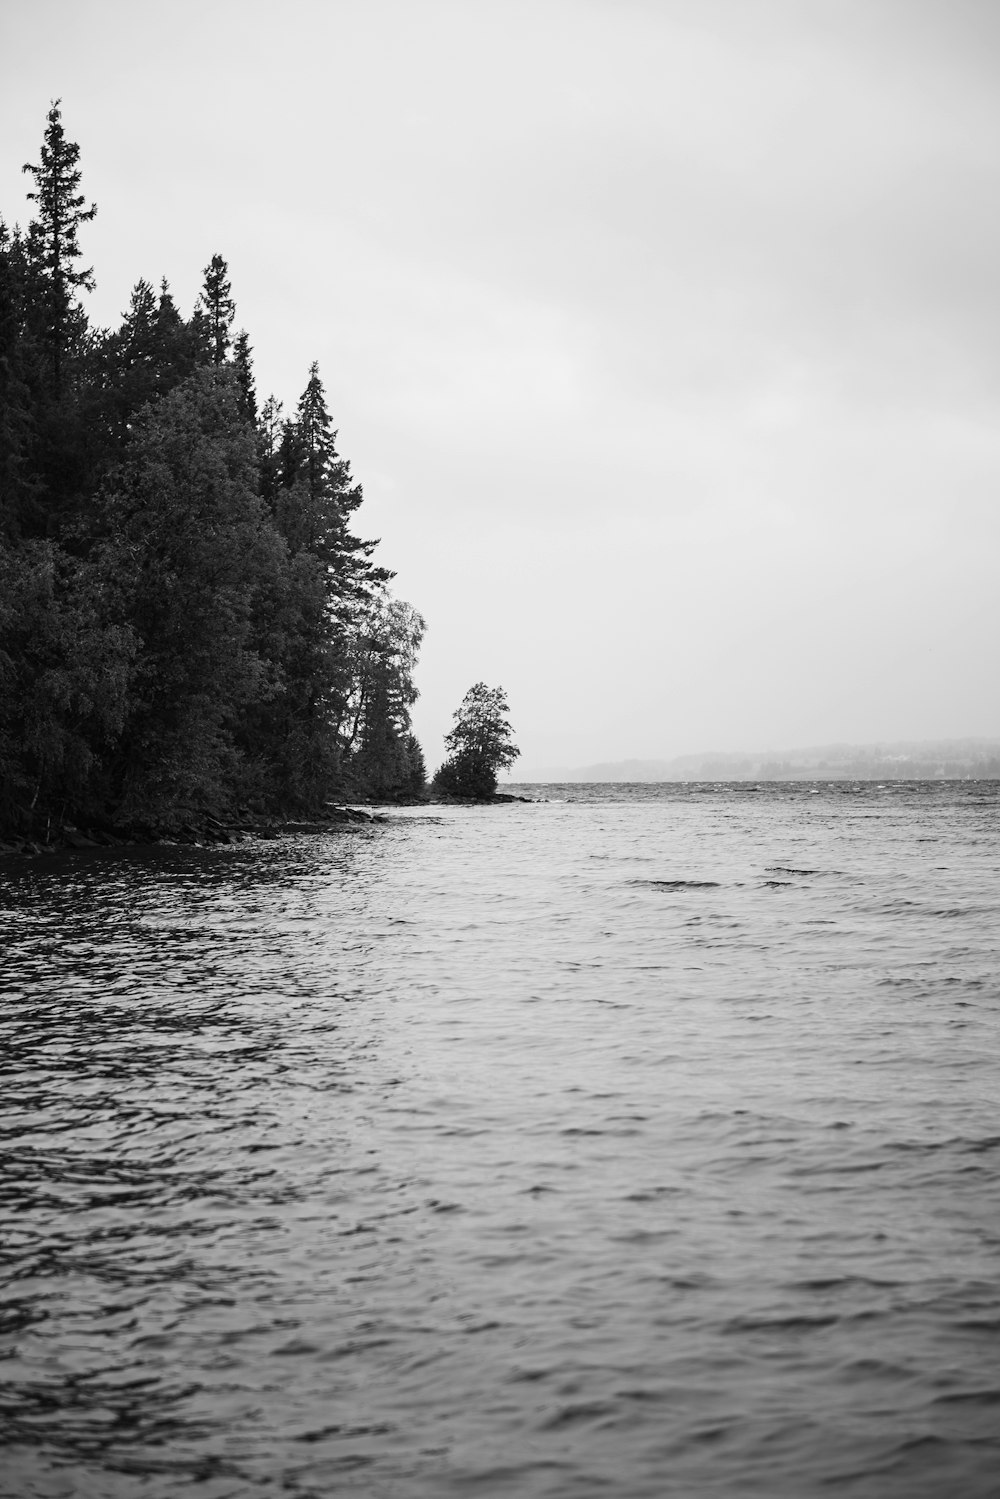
[190, 628]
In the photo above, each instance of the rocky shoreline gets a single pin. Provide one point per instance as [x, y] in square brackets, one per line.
[205, 831]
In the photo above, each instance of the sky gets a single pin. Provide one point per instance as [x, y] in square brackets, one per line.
[663, 335]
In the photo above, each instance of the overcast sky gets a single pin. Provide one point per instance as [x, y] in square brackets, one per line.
[664, 335]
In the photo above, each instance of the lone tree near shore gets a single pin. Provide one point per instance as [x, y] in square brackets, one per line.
[479, 745]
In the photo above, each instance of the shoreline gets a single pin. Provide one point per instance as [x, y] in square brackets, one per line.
[206, 831]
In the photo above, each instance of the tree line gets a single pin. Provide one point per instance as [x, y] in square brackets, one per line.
[189, 622]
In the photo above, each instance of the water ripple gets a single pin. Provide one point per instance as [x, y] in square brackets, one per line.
[632, 1144]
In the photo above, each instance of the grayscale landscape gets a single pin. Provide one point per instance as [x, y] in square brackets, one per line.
[499, 749]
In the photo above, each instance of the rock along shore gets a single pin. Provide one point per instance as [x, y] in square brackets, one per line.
[204, 830]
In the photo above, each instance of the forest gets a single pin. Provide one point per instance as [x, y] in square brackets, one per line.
[189, 624]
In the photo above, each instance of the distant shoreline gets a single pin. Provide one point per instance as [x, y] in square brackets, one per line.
[923, 760]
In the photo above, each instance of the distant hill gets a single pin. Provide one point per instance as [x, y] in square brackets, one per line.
[926, 760]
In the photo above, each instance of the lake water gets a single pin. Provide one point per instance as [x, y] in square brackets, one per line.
[640, 1142]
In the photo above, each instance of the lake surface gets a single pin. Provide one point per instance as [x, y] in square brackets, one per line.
[641, 1142]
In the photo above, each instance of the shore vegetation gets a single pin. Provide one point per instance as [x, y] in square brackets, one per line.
[190, 624]
[480, 744]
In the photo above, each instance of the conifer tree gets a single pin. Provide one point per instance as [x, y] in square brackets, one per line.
[269, 438]
[311, 495]
[16, 417]
[187, 619]
[243, 362]
[218, 308]
[319, 497]
[176, 342]
[134, 376]
[188, 550]
[64, 676]
[53, 242]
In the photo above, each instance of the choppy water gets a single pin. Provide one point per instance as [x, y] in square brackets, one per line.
[641, 1143]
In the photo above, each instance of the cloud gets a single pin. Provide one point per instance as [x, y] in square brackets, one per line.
[662, 333]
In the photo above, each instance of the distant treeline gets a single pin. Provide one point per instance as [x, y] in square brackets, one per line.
[952, 759]
[188, 623]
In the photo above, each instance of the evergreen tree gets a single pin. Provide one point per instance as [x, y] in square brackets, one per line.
[189, 549]
[53, 243]
[133, 374]
[60, 360]
[17, 491]
[269, 440]
[243, 363]
[292, 727]
[186, 616]
[416, 771]
[64, 674]
[217, 308]
[319, 496]
[313, 500]
[138, 330]
[176, 342]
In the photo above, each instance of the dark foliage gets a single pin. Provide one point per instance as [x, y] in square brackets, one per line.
[188, 622]
[480, 744]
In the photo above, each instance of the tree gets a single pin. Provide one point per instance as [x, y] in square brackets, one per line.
[243, 363]
[188, 620]
[132, 375]
[479, 745]
[176, 342]
[190, 547]
[64, 673]
[292, 729]
[318, 495]
[17, 487]
[386, 636]
[217, 308]
[309, 489]
[53, 245]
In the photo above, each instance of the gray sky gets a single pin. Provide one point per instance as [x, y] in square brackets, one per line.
[664, 335]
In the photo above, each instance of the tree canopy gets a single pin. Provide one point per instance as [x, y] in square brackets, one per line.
[188, 621]
[480, 744]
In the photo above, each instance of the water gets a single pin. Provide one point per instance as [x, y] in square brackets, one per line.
[641, 1142]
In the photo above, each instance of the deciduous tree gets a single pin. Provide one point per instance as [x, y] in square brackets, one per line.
[480, 744]
[386, 638]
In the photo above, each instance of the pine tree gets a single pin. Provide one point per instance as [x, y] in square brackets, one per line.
[176, 342]
[243, 363]
[53, 242]
[319, 497]
[64, 673]
[269, 439]
[189, 549]
[187, 619]
[133, 375]
[17, 491]
[331, 578]
[218, 308]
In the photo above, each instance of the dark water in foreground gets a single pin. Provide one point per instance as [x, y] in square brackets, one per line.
[641, 1144]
